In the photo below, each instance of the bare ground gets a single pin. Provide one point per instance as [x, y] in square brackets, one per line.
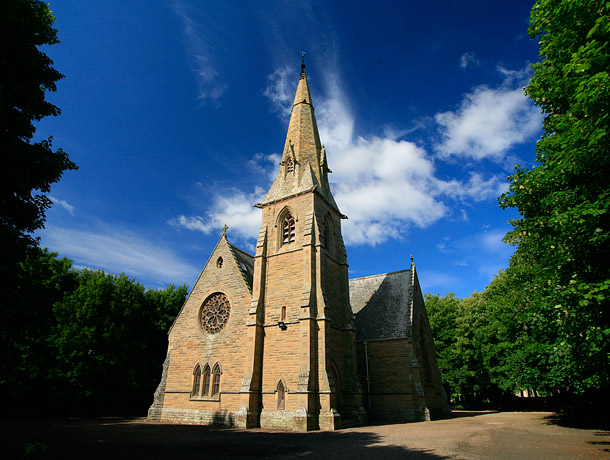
[468, 435]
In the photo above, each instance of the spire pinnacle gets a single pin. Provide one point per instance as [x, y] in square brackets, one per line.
[302, 65]
[304, 163]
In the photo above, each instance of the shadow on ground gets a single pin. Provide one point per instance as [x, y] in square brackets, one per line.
[114, 439]
[470, 413]
[601, 442]
[580, 419]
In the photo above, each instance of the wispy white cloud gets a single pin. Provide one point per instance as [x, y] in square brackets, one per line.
[119, 251]
[335, 119]
[210, 83]
[459, 263]
[488, 242]
[468, 59]
[491, 241]
[280, 89]
[63, 203]
[266, 165]
[384, 186]
[476, 188]
[489, 121]
[233, 208]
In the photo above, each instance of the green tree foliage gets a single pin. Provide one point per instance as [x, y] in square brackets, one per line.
[111, 339]
[544, 323]
[442, 315]
[489, 345]
[465, 340]
[90, 343]
[28, 168]
[28, 355]
[563, 235]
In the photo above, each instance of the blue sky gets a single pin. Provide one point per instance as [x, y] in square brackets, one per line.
[176, 112]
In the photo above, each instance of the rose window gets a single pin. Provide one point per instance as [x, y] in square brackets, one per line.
[215, 313]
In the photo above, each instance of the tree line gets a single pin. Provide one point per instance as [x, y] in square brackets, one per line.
[544, 324]
[82, 341]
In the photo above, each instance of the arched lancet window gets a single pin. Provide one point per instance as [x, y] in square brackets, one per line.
[281, 395]
[206, 380]
[216, 380]
[196, 380]
[288, 229]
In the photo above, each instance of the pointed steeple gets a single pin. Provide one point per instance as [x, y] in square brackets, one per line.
[303, 166]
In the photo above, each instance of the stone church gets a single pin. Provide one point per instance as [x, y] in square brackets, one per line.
[282, 339]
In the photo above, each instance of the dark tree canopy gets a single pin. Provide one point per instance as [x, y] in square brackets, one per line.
[563, 234]
[543, 325]
[88, 342]
[28, 168]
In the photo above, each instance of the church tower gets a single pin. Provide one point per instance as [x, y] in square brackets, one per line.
[300, 370]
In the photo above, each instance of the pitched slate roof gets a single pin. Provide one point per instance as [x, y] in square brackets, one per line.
[382, 305]
[245, 262]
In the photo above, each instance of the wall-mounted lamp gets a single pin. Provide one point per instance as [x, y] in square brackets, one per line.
[282, 325]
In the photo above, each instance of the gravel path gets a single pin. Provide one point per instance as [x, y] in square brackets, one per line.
[469, 435]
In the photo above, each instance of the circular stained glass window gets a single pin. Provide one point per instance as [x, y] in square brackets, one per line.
[215, 313]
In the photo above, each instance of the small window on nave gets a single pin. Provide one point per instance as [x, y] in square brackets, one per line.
[216, 381]
[219, 262]
[196, 380]
[281, 396]
[206, 380]
[288, 229]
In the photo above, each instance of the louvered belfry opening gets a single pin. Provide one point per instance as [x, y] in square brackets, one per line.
[288, 229]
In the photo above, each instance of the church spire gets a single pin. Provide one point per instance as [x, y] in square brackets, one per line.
[302, 129]
[303, 165]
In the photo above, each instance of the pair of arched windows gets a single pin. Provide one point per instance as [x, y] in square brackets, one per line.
[202, 380]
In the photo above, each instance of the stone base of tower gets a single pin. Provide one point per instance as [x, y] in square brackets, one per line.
[299, 420]
[245, 418]
[330, 420]
[197, 417]
[353, 416]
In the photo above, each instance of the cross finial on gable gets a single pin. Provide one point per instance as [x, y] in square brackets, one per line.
[224, 229]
